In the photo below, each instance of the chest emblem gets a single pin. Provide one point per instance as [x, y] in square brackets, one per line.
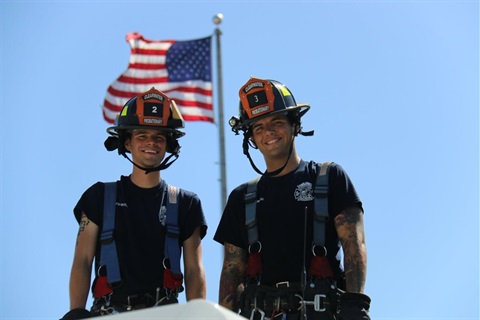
[304, 192]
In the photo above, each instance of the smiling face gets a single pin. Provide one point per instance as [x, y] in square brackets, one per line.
[273, 136]
[147, 146]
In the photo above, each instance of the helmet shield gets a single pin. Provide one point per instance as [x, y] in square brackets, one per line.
[150, 110]
[260, 98]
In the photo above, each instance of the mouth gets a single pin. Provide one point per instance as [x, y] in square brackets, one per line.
[272, 141]
[150, 151]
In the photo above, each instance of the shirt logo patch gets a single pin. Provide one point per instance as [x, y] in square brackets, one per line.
[304, 192]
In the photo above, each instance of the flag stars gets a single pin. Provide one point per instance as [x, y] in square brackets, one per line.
[189, 60]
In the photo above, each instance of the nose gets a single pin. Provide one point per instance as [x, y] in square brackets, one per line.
[150, 140]
[270, 127]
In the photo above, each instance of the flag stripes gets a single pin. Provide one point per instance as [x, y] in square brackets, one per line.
[180, 69]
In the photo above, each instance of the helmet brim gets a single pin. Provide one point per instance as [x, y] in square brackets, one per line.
[115, 130]
[300, 108]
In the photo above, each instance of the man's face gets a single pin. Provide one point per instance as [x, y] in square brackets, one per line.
[273, 135]
[147, 146]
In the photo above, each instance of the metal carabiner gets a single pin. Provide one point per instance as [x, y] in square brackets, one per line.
[257, 309]
[262, 313]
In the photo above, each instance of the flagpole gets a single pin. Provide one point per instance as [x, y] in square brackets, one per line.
[217, 19]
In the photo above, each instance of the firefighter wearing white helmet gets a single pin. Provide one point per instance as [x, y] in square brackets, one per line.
[281, 231]
[133, 231]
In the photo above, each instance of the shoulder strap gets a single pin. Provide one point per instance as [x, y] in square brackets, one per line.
[108, 254]
[321, 203]
[251, 210]
[172, 249]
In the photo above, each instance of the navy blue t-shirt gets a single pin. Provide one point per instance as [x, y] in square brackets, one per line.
[140, 230]
[281, 203]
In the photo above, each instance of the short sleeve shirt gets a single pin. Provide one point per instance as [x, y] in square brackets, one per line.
[283, 204]
[140, 229]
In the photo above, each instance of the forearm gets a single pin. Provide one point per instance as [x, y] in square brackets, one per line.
[349, 225]
[79, 285]
[230, 290]
[355, 263]
[231, 278]
[195, 284]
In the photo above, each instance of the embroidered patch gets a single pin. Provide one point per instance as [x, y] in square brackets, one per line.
[162, 215]
[304, 192]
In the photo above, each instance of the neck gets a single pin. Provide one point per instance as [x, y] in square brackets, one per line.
[276, 163]
[143, 180]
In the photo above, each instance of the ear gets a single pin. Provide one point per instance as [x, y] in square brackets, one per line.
[127, 145]
[253, 141]
[296, 129]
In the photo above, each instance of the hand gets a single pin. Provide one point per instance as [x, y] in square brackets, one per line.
[353, 306]
[76, 314]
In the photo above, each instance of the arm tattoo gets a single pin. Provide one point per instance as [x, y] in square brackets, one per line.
[349, 224]
[84, 221]
[233, 273]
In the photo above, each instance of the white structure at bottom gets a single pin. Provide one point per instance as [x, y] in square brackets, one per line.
[194, 309]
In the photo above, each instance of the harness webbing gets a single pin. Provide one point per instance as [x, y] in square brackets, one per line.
[320, 209]
[108, 254]
[251, 210]
[172, 251]
[321, 204]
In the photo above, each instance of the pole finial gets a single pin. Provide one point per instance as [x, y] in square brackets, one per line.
[218, 18]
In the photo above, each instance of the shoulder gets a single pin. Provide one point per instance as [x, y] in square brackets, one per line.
[241, 189]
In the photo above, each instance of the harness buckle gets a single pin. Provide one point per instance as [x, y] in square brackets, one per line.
[318, 302]
[257, 309]
[262, 313]
[283, 284]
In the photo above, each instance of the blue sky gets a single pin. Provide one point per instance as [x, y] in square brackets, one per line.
[394, 90]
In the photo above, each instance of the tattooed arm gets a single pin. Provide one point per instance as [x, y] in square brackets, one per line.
[349, 225]
[231, 279]
[82, 262]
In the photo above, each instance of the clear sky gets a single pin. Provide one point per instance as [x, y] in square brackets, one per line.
[394, 90]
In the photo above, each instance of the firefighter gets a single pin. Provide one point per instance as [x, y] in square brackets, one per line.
[284, 232]
[134, 229]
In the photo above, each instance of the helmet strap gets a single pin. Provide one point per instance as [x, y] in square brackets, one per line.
[273, 173]
[164, 165]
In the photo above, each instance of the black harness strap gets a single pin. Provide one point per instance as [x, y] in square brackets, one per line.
[321, 204]
[320, 207]
[251, 211]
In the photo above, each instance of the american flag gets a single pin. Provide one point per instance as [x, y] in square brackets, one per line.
[180, 69]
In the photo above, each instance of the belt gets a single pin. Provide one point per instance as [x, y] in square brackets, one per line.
[137, 301]
[285, 296]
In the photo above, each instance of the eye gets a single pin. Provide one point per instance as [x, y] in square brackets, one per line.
[257, 129]
[160, 138]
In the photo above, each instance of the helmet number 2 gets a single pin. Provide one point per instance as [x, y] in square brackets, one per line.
[154, 110]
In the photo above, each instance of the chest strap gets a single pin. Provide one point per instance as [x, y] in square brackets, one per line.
[251, 211]
[108, 254]
[172, 250]
[320, 191]
[321, 204]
